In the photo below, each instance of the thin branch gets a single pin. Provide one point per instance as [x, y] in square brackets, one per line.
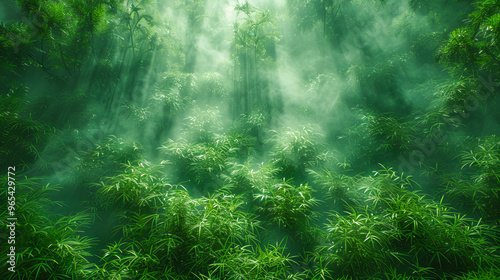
[45, 69]
[496, 58]
[62, 58]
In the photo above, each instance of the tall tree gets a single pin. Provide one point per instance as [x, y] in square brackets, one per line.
[254, 55]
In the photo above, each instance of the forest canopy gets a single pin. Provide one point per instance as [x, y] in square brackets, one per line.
[256, 139]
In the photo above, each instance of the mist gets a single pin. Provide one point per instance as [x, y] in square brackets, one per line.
[229, 139]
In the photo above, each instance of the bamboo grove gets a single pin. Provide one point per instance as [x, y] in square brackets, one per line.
[284, 139]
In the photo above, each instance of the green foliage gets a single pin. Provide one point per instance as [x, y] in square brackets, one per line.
[380, 82]
[481, 275]
[460, 49]
[221, 226]
[254, 52]
[478, 187]
[391, 133]
[340, 188]
[62, 109]
[427, 227]
[22, 138]
[48, 245]
[473, 49]
[307, 14]
[175, 91]
[202, 163]
[240, 178]
[132, 261]
[135, 70]
[203, 126]
[256, 32]
[270, 262]
[180, 236]
[105, 159]
[135, 21]
[379, 138]
[249, 180]
[15, 46]
[139, 186]
[213, 86]
[287, 205]
[357, 243]
[460, 98]
[295, 150]
[398, 225]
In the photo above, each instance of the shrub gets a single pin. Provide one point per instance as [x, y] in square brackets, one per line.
[287, 205]
[294, 151]
[48, 245]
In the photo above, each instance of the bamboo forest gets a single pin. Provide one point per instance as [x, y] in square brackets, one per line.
[250, 139]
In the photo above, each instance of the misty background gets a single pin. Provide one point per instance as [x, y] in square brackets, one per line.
[248, 101]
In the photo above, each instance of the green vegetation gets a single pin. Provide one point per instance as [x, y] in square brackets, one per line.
[207, 139]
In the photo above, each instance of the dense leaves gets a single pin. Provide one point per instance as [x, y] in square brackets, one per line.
[203, 139]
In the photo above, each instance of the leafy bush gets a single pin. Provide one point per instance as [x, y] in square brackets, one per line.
[105, 159]
[391, 134]
[247, 262]
[22, 138]
[435, 235]
[202, 126]
[478, 187]
[295, 150]
[287, 205]
[48, 245]
[378, 138]
[212, 86]
[358, 243]
[202, 163]
[181, 236]
[137, 187]
[340, 188]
